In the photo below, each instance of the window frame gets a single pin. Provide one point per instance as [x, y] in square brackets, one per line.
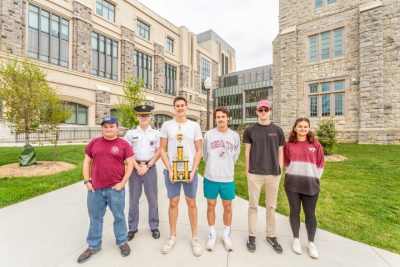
[321, 94]
[141, 29]
[170, 44]
[106, 5]
[318, 47]
[42, 47]
[105, 52]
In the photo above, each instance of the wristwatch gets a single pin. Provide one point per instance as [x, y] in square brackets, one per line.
[149, 165]
[87, 181]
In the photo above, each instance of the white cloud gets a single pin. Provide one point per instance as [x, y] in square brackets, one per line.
[248, 26]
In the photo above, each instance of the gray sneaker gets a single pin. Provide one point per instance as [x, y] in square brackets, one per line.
[87, 254]
[125, 250]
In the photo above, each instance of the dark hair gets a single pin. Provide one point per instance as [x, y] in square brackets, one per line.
[178, 98]
[222, 109]
[293, 134]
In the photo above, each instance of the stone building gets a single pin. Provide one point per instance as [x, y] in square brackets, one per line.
[88, 47]
[340, 59]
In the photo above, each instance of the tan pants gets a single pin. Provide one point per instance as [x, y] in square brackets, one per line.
[255, 183]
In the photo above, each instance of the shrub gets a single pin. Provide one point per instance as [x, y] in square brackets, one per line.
[326, 134]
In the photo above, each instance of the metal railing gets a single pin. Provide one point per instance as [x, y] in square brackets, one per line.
[65, 135]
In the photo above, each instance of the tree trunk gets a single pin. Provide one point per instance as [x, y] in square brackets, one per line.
[55, 147]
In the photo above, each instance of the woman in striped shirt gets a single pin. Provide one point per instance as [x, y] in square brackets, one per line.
[304, 163]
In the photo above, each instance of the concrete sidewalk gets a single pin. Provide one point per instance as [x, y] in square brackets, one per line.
[50, 230]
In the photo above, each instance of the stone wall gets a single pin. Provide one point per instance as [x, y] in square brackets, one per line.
[102, 105]
[127, 52]
[369, 67]
[13, 26]
[81, 38]
[159, 68]
[183, 77]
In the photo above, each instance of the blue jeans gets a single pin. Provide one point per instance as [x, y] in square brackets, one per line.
[97, 202]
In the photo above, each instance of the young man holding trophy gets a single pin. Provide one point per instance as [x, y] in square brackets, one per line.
[181, 150]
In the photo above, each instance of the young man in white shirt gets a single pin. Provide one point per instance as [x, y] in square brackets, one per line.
[186, 135]
[221, 149]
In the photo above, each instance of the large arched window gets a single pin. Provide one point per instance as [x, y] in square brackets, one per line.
[79, 114]
[159, 120]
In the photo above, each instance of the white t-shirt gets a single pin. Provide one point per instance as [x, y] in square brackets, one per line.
[190, 131]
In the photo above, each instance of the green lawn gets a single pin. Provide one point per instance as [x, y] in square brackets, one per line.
[13, 190]
[360, 197]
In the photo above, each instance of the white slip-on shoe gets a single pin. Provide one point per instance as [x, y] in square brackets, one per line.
[228, 243]
[312, 250]
[196, 247]
[296, 246]
[167, 246]
[211, 242]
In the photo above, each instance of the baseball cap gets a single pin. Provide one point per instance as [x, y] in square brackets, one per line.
[264, 103]
[111, 120]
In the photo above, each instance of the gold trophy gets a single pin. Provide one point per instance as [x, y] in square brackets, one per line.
[180, 162]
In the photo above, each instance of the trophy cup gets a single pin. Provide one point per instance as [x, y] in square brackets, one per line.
[180, 162]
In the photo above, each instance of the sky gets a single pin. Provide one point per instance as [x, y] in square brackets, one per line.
[249, 26]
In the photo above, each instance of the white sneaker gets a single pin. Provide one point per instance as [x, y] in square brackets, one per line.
[211, 242]
[196, 247]
[167, 246]
[312, 250]
[296, 246]
[228, 243]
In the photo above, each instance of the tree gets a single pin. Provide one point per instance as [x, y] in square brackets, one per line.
[133, 96]
[30, 104]
[326, 134]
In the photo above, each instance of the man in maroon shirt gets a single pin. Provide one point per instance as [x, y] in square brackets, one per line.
[105, 176]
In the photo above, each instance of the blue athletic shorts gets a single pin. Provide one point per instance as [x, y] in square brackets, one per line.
[212, 189]
[174, 189]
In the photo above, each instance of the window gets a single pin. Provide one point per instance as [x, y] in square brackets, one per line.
[170, 79]
[205, 73]
[159, 120]
[113, 112]
[255, 95]
[105, 9]
[143, 30]
[224, 64]
[326, 45]
[328, 97]
[48, 37]
[170, 45]
[143, 70]
[321, 3]
[104, 57]
[79, 114]
[230, 81]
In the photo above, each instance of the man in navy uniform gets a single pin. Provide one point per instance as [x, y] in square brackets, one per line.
[145, 141]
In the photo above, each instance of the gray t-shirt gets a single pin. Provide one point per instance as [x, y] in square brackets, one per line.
[220, 152]
[265, 141]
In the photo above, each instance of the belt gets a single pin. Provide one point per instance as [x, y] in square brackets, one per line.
[142, 162]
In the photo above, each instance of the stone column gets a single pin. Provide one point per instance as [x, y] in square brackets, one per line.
[285, 94]
[276, 80]
[371, 71]
[127, 52]
[102, 105]
[183, 77]
[159, 68]
[81, 38]
[13, 26]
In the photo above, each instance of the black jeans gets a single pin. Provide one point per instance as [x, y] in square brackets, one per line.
[309, 203]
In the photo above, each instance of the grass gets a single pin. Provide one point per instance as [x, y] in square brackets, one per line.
[14, 190]
[359, 198]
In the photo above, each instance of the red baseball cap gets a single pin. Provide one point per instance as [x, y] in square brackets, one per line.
[264, 103]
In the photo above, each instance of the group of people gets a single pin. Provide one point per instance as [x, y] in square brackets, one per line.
[110, 162]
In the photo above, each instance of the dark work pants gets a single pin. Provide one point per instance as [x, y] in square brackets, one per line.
[309, 203]
[136, 183]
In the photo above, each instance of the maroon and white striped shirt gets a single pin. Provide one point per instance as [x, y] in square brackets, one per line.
[304, 163]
